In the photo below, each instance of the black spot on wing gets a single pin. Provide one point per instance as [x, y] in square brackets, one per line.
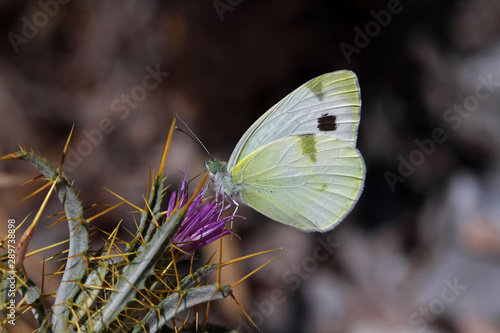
[327, 123]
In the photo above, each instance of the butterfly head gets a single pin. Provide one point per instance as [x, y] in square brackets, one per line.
[215, 166]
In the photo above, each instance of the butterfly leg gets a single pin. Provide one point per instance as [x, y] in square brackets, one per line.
[237, 205]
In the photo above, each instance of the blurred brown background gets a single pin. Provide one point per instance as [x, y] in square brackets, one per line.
[419, 253]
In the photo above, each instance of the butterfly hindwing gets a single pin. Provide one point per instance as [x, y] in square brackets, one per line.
[308, 181]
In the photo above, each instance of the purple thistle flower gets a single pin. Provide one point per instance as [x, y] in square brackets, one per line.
[202, 224]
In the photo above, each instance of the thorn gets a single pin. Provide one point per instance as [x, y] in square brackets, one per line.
[22, 246]
[167, 147]
[244, 312]
[104, 212]
[252, 272]
[37, 191]
[63, 155]
[11, 156]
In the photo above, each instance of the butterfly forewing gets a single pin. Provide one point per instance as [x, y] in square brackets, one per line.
[328, 104]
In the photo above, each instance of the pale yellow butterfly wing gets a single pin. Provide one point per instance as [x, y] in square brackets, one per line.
[310, 182]
[328, 104]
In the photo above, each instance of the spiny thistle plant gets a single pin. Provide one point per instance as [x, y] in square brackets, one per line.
[138, 289]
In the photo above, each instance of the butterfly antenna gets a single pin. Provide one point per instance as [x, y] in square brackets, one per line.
[191, 135]
[189, 181]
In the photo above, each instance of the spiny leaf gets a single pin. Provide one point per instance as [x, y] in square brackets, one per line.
[176, 303]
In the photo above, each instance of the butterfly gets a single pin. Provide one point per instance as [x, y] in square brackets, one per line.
[298, 164]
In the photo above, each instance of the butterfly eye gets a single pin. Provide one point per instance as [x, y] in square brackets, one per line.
[211, 166]
[214, 167]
